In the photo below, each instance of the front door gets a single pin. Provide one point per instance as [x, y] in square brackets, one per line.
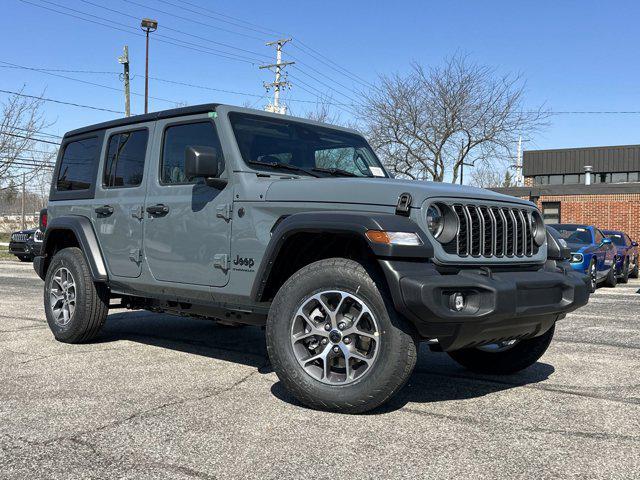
[120, 192]
[187, 223]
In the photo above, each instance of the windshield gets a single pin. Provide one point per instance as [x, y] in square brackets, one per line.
[302, 147]
[574, 233]
[616, 238]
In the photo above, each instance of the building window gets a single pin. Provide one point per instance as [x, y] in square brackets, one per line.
[555, 179]
[573, 179]
[619, 177]
[634, 176]
[551, 212]
[541, 179]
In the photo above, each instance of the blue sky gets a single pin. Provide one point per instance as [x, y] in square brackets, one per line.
[575, 55]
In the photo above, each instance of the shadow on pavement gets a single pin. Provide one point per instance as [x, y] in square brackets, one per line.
[243, 345]
[436, 377]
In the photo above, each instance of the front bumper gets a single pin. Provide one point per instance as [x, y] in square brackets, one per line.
[499, 305]
[20, 249]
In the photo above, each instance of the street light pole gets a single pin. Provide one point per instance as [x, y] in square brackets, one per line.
[148, 25]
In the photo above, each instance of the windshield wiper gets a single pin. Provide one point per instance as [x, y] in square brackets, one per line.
[284, 166]
[335, 171]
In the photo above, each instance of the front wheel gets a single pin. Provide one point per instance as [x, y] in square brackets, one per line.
[634, 270]
[335, 340]
[593, 276]
[624, 277]
[505, 357]
[611, 280]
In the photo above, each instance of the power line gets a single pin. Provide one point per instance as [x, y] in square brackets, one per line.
[86, 82]
[61, 102]
[174, 29]
[251, 27]
[39, 132]
[208, 51]
[27, 138]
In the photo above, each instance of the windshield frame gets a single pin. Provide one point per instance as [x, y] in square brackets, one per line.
[359, 143]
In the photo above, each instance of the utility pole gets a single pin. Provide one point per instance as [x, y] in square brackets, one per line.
[279, 84]
[124, 60]
[24, 182]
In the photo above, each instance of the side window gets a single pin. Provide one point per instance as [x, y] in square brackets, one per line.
[599, 237]
[176, 140]
[124, 164]
[627, 240]
[78, 165]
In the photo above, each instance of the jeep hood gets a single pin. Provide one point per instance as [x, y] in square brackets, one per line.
[374, 191]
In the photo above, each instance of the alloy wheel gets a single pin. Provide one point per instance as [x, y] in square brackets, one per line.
[62, 296]
[335, 337]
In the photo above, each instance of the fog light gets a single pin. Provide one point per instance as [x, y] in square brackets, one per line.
[457, 302]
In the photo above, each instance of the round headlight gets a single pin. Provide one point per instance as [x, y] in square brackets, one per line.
[435, 220]
[538, 228]
[442, 222]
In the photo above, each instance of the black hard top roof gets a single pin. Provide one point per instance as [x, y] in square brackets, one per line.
[147, 117]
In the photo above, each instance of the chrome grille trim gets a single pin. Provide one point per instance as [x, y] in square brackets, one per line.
[20, 237]
[490, 231]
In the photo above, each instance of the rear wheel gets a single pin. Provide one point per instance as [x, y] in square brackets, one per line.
[335, 340]
[505, 357]
[75, 306]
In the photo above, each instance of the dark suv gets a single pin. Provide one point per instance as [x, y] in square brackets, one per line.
[250, 217]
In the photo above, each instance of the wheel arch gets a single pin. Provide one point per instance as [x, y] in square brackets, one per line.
[325, 235]
[72, 231]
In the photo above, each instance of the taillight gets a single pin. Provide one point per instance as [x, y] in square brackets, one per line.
[43, 219]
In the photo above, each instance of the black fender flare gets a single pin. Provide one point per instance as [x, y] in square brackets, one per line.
[341, 222]
[83, 231]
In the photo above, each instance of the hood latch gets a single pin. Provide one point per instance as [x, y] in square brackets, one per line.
[403, 206]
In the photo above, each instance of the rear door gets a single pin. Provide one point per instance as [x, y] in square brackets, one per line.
[187, 223]
[119, 199]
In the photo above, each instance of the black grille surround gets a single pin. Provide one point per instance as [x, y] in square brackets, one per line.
[492, 231]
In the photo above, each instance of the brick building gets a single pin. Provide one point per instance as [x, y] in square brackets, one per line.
[596, 186]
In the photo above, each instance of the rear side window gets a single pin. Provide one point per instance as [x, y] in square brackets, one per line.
[176, 140]
[78, 165]
[124, 165]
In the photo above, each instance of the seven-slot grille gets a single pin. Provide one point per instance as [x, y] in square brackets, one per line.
[492, 231]
[20, 237]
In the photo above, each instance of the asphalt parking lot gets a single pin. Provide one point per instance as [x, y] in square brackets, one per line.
[164, 397]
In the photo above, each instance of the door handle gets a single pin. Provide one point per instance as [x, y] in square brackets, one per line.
[104, 211]
[158, 210]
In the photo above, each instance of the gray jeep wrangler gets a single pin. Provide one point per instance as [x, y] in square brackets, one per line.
[247, 217]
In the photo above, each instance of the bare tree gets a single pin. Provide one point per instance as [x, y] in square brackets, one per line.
[425, 124]
[488, 176]
[22, 119]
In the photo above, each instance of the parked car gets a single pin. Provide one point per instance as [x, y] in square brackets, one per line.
[22, 246]
[34, 242]
[627, 255]
[592, 253]
[241, 215]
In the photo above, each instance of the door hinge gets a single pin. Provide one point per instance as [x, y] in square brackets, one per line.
[221, 261]
[224, 211]
[135, 255]
[137, 212]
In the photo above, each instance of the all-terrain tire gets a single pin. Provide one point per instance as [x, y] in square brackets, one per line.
[611, 280]
[397, 349]
[522, 355]
[91, 299]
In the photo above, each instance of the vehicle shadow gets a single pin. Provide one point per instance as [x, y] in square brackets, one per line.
[244, 345]
[437, 378]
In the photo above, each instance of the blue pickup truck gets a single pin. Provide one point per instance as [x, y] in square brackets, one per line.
[592, 253]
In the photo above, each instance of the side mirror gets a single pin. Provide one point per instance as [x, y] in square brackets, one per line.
[634, 244]
[204, 162]
[606, 241]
